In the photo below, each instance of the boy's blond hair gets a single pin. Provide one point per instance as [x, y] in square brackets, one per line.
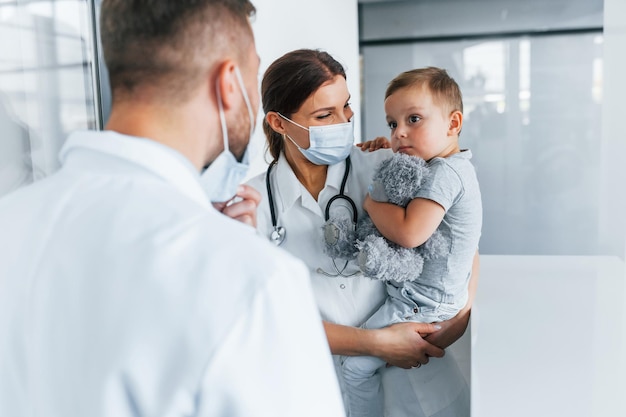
[445, 90]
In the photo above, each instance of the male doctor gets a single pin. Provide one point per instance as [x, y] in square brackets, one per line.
[123, 290]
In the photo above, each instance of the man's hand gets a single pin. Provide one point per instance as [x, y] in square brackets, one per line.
[242, 206]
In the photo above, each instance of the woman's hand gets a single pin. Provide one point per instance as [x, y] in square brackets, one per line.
[243, 206]
[400, 344]
[374, 145]
[403, 344]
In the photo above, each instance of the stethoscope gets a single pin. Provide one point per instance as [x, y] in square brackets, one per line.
[331, 233]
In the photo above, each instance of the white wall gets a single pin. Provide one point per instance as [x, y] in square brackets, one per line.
[614, 140]
[613, 137]
[281, 26]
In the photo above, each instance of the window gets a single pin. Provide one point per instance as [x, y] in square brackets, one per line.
[46, 84]
[532, 122]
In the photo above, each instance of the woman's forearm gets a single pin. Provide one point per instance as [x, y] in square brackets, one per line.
[350, 341]
[401, 344]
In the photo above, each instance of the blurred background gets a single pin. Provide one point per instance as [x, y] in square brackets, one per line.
[543, 85]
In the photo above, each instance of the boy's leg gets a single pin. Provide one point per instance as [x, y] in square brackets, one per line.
[361, 373]
[363, 385]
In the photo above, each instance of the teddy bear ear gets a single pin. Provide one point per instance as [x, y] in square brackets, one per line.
[401, 177]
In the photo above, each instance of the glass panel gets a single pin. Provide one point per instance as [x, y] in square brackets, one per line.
[394, 19]
[46, 85]
[532, 121]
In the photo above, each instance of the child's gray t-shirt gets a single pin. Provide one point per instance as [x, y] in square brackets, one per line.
[453, 184]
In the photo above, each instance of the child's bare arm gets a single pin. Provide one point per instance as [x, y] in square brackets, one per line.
[408, 227]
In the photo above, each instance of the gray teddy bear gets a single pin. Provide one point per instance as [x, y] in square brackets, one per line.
[397, 181]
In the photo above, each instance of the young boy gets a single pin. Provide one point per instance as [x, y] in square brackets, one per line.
[424, 111]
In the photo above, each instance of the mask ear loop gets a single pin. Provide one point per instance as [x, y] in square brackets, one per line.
[289, 137]
[220, 107]
[246, 99]
[291, 121]
[293, 141]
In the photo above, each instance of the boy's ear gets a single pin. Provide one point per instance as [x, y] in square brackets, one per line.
[456, 123]
[276, 122]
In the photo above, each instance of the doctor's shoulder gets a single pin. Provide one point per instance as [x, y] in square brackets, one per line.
[364, 160]
[264, 221]
[254, 254]
[366, 163]
[258, 183]
[220, 246]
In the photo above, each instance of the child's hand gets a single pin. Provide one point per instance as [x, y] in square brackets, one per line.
[367, 201]
[380, 142]
[451, 330]
[377, 192]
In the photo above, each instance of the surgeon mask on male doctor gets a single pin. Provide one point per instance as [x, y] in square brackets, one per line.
[329, 144]
[221, 179]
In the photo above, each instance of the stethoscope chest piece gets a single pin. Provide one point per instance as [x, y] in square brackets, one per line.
[331, 234]
[331, 231]
[278, 235]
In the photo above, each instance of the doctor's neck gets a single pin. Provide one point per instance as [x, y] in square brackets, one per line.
[311, 176]
[182, 128]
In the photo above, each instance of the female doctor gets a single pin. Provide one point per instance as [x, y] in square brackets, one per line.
[316, 171]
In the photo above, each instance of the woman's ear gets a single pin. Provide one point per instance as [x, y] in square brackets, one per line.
[456, 123]
[226, 84]
[276, 122]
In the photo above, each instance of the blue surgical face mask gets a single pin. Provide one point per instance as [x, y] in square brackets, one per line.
[221, 179]
[329, 144]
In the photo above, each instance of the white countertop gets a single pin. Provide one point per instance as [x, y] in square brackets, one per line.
[548, 337]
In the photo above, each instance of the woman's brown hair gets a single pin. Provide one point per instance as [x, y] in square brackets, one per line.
[289, 81]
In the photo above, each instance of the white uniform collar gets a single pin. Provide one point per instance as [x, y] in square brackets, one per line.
[161, 160]
[289, 189]
[334, 176]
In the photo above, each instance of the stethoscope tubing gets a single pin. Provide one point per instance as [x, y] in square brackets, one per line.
[270, 196]
[277, 236]
[341, 195]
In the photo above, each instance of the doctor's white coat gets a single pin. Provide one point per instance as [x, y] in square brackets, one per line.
[124, 293]
[435, 390]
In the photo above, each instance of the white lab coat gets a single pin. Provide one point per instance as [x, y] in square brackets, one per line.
[124, 293]
[438, 389]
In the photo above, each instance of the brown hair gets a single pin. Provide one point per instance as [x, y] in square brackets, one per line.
[445, 90]
[169, 44]
[289, 81]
